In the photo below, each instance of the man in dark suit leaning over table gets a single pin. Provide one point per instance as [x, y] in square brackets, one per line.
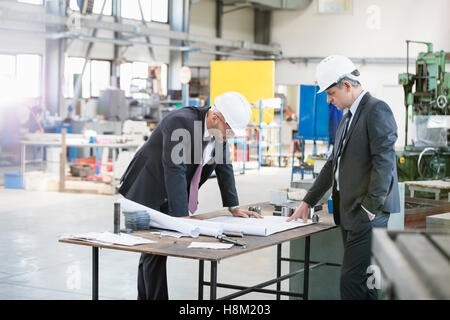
[180, 155]
[361, 171]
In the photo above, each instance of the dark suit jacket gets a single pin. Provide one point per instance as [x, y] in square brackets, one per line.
[155, 175]
[367, 171]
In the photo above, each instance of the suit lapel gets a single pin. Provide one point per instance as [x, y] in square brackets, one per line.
[355, 119]
[339, 132]
[341, 128]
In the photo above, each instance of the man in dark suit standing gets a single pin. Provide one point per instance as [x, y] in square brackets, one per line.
[180, 155]
[361, 171]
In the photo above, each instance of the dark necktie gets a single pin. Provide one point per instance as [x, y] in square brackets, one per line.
[343, 136]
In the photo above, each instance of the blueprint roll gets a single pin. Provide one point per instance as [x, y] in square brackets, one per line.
[163, 220]
[207, 228]
[246, 230]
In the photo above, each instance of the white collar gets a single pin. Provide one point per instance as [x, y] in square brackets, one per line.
[355, 104]
[206, 135]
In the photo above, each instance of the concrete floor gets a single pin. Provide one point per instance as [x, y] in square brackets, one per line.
[34, 265]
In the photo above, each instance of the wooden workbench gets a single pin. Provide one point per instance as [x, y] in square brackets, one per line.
[434, 186]
[417, 209]
[168, 246]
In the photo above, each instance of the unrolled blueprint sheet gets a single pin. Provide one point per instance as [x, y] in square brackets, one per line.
[258, 227]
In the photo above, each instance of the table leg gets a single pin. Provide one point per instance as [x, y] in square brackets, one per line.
[278, 270]
[99, 154]
[22, 164]
[42, 157]
[94, 273]
[114, 170]
[201, 270]
[213, 288]
[306, 268]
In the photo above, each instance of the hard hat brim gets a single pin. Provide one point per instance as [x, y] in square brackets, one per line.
[239, 132]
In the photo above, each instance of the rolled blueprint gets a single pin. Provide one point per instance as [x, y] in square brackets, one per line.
[207, 228]
[163, 220]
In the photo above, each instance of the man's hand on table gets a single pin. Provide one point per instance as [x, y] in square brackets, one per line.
[245, 213]
[301, 212]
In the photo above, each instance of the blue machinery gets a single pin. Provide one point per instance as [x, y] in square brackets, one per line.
[313, 124]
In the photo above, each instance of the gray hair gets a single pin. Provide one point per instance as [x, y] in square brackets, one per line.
[353, 82]
[351, 78]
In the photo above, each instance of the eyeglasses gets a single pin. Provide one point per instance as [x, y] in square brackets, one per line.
[222, 118]
[227, 126]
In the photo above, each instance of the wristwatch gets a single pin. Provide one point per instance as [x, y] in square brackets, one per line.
[232, 208]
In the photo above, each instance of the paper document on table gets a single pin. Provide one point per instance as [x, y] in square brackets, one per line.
[109, 238]
[161, 220]
[210, 245]
[258, 227]
[207, 228]
[167, 233]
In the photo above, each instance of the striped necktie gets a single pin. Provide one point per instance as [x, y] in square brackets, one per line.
[195, 181]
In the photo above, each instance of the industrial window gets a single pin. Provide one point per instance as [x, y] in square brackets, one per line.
[38, 2]
[29, 74]
[160, 11]
[97, 7]
[73, 69]
[100, 76]
[153, 10]
[20, 76]
[334, 6]
[96, 77]
[134, 75]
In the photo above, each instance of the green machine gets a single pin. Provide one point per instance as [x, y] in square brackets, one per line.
[428, 92]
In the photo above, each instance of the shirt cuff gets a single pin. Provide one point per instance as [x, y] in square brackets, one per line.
[368, 212]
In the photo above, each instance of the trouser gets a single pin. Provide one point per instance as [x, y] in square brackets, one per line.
[152, 276]
[356, 279]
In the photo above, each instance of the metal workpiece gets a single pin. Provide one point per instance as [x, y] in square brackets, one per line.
[285, 212]
[288, 211]
[313, 215]
[256, 209]
[223, 238]
[116, 217]
[315, 218]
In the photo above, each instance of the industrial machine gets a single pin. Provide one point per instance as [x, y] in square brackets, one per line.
[428, 92]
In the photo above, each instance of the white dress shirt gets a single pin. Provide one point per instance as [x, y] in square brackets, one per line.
[353, 109]
[209, 147]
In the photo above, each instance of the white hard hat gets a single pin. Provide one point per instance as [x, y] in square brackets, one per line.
[332, 69]
[235, 109]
